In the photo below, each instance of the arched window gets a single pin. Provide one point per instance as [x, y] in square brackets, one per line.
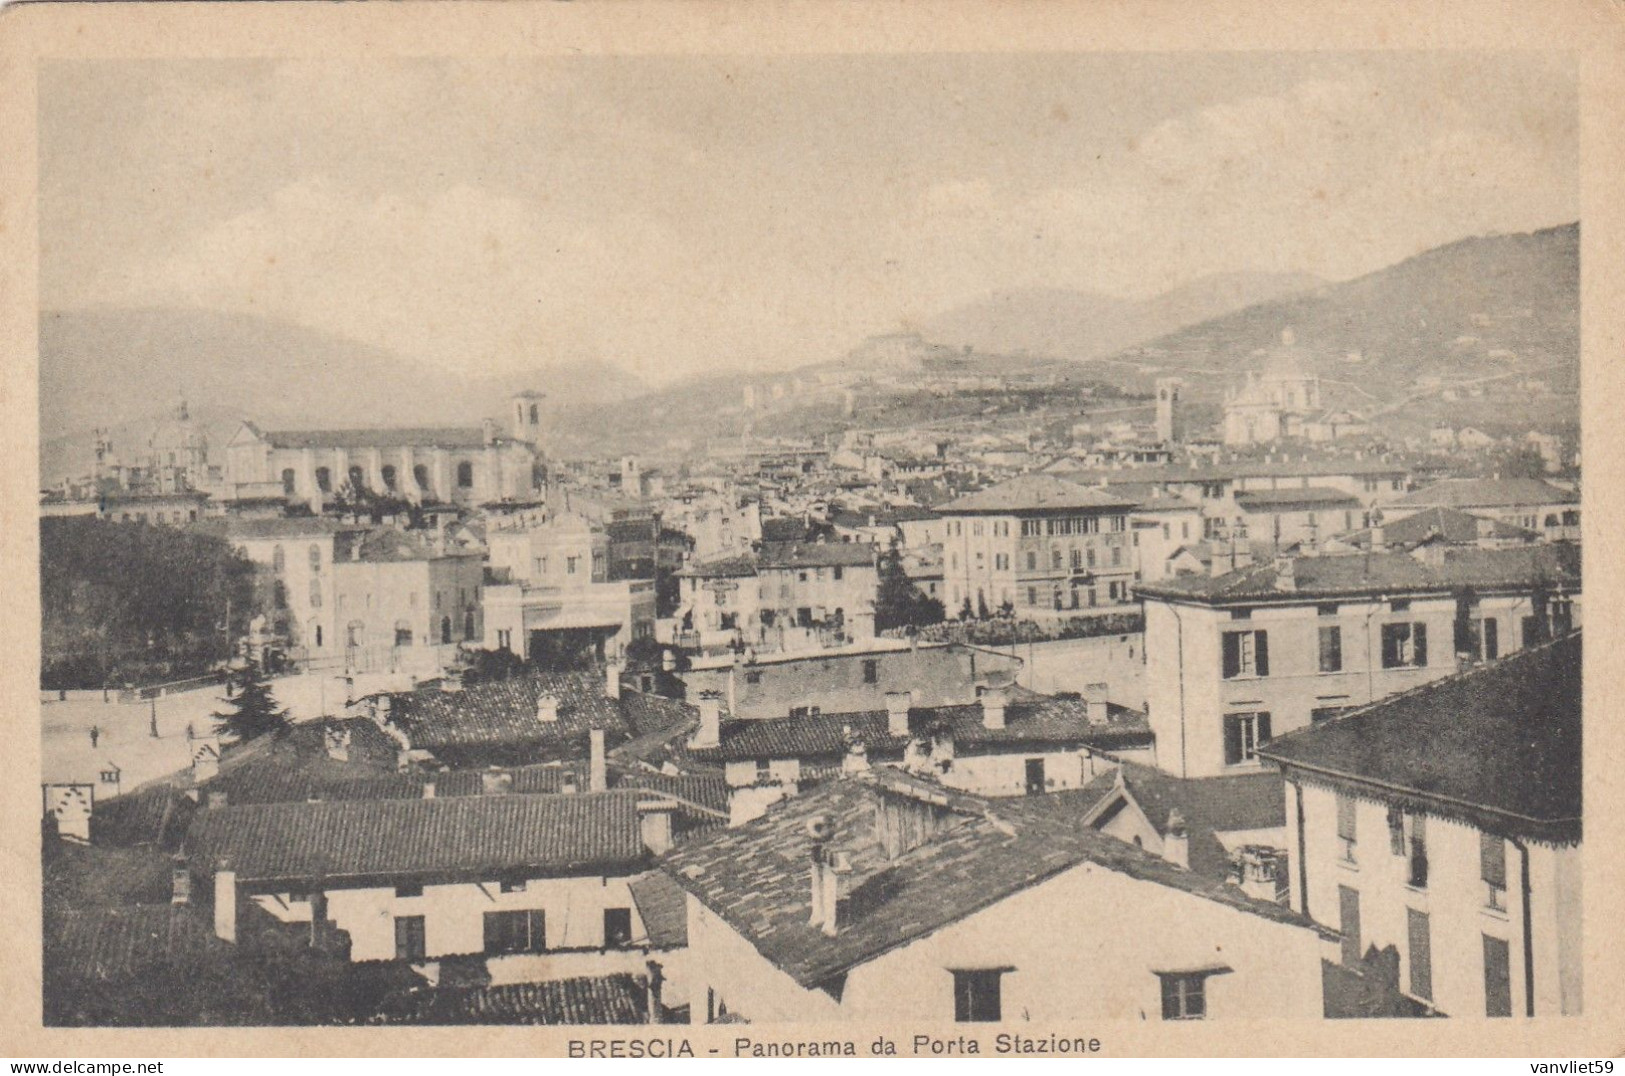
[315, 593]
[533, 414]
[358, 479]
[465, 475]
[279, 595]
[287, 481]
[315, 555]
[324, 480]
[318, 636]
[468, 624]
[403, 633]
[445, 629]
[278, 560]
[388, 474]
[420, 475]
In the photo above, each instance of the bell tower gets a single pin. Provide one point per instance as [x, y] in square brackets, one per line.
[1169, 428]
[525, 415]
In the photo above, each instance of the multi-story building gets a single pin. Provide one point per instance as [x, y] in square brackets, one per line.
[1530, 503]
[1439, 833]
[450, 465]
[790, 596]
[295, 557]
[1285, 517]
[404, 601]
[929, 904]
[1233, 660]
[1039, 545]
[549, 595]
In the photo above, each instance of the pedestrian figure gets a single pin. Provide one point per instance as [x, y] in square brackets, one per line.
[190, 732]
[95, 734]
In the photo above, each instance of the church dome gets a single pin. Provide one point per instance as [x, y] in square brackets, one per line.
[1288, 361]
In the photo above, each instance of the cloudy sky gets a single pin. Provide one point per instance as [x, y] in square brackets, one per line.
[675, 214]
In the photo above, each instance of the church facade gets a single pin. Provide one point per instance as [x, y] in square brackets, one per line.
[1277, 403]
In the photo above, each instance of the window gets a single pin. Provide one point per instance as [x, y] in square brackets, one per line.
[1421, 953]
[837, 572]
[314, 554]
[409, 941]
[504, 639]
[1497, 977]
[805, 711]
[358, 479]
[279, 594]
[1077, 559]
[1184, 996]
[1032, 561]
[1001, 562]
[1492, 868]
[1416, 844]
[465, 475]
[1089, 554]
[1479, 638]
[1246, 653]
[324, 480]
[1331, 648]
[279, 559]
[1347, 828]
[1117, 556]
[445, 629]
[976, 995]
[1404, 646]
[318, 626]
[871, 671]
[515, 932]
[420, 475]
[468, 624]
[1244, 734]
[287, 481]
[387, 473]
[617, 928]
[403, 633]
[1032, 595]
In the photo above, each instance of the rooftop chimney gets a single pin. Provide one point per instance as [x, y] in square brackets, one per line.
[897, 707]
[225, 901]
[547, 708]
[428, 789]
[496, 783]
[1176, 842]
[180, 881]
[337, 742]
[654, 824]
[597, 769]
[993, 700]
[819, 831]
[1095, 710]
[856, 759]
[612, 679]
[668, 661]
[1286, 574]
[709, 734]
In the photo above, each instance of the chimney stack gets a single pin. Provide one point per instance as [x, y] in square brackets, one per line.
[898, 704]
[993, 700]
[819, 831]
[337, 742]
[612, 679]
[1286, 574]
[225, 901]
[1176, 843]
[547, 708]
[668, 661]
[856, 759]
[709, 734]
[428, 789]
[1095, 710]
[654, 824]
[598, 771]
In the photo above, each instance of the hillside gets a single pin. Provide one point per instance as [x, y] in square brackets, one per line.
[120, 368]
[1488, 311]
[1082, 325]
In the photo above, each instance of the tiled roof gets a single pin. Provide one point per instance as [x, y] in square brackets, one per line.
[1498, 744]
[816, 554]
[114, 944]
[663, 907]
[272, 526]
[722, 568]
[607, 999]
[389, 839]
[415, 437]
[504, 712]
[1036, 493]
[1384, 573]
[1455, 527]
[155, 815]
[1489, 493]
[1284, 499]
[295, 766]
[1210, 805]
[1229, 470]
[756, 877]
[1045, 720]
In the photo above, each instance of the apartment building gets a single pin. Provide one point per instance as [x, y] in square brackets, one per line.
[1039, 545]
[1439, 832]
[1236, 659]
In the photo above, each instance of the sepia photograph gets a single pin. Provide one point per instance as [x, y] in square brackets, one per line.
[1002, 543]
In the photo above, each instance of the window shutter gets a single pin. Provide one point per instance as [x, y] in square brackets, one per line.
[1420, 633]
[1262, 661]
[1492, 640]
[1232, 654]
[1390, 645]
[1232, 739]
[1345, 817]
[1396, 831]
[1263, 726]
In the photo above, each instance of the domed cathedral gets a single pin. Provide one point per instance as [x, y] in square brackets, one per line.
[178, 453]
[1275, 403]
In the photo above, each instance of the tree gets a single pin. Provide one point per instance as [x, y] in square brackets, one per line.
[898, 602]
[254, 711]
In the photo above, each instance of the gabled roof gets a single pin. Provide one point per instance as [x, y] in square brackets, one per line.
[378, 841]
[1488, 493]
[663, 907]
[409, 436]
[505, 712]
[1285, 499]
[1042, 720]
[1498, 745]
[121, 943]
[756, 876]
[603, 999]
[1390, 574]
[1455, 527]
[1036, 493]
